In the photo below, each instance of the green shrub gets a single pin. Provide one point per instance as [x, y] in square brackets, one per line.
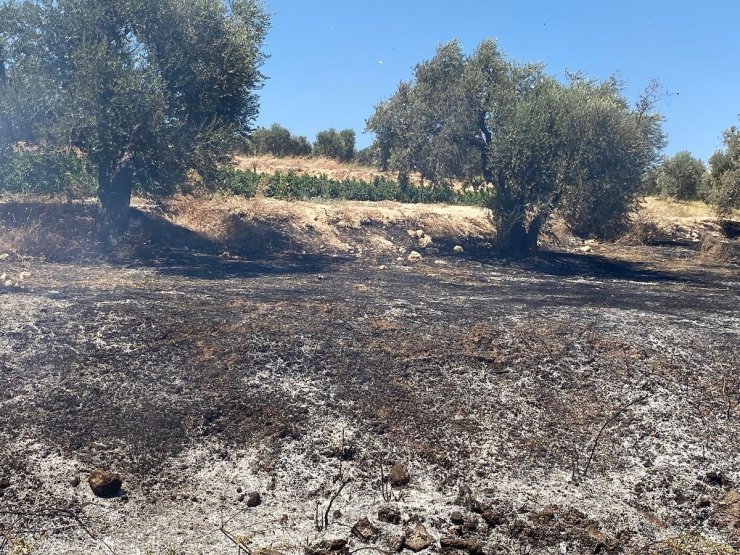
[292, 186]
[50, 173]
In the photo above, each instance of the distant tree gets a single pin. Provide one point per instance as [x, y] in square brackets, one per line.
[368, 156]
[278, 141]
[147, 90]
[722, 181]
[680, 176]
[339, 145]
[537, 144]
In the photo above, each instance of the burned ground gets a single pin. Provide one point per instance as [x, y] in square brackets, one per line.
[578, 402]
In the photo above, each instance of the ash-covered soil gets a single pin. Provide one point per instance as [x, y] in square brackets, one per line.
[574, 404]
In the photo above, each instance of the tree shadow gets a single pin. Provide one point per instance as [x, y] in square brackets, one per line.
[65, 233]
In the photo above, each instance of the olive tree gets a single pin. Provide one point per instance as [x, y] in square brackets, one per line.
[278, 141]
[147, 90]
[339, 145]
[537, 144]
[722, 181]
[680, 176]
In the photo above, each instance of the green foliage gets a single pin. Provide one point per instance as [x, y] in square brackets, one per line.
[47, 173]
[293, 186]
[721, 185]
[539, 144]
[339, 145]
[368, 156]
[278, 141]
[147, 90]
[680, 176]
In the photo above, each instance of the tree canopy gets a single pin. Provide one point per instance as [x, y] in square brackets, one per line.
[146, 89]
[680, 176]
[723, 178]
[534, 142]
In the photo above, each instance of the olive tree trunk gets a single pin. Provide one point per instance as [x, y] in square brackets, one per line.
[114, 194]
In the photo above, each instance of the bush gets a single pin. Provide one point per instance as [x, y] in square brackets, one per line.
[292, 186]
[49, 173]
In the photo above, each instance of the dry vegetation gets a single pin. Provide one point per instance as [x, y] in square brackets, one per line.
[586, 401]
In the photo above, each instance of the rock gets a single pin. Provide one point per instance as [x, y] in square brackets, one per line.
[23, 276]
[4, 483]
[8, 283]
[718, 479]
[365, 530]
[3, 277]
[729, 513]
[396, 542]
[104, 483]
[440, 262]
[470, 545]
[591, 242]
[391, 515]
[4, 256]
[328, 546]
[411, 233]
[74, 481]
[415, 257]
[458, 249]
[419, 233]
[426, 241]
[703, 501]
[493, 517]
[456, 517]
[418, 539]
[254, 499]
[585, 248]
[399, 475]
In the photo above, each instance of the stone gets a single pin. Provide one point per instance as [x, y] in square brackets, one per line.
[328, 546]
[458, 249]
[426, 241]
[4, 256]
[4, 483]
[411, 233]
[74, 481]
[254, 499]
[470, 545]
[456, 517]
[399, 475]
[391, 515]
[419, 539]
[703, 501]
[419, 233]
[365, 530]
[585, 248]
[104, 483]
[415, 257]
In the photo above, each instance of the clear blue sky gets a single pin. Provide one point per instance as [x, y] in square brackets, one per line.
[325, 67]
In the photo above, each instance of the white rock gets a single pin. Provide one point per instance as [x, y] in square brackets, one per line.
[425, 241]
[411, 233]
[585, 249]
[3, 277]
[415, 257]
[4, 256]
[458, 249]
[420, 233]
[440, 262]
